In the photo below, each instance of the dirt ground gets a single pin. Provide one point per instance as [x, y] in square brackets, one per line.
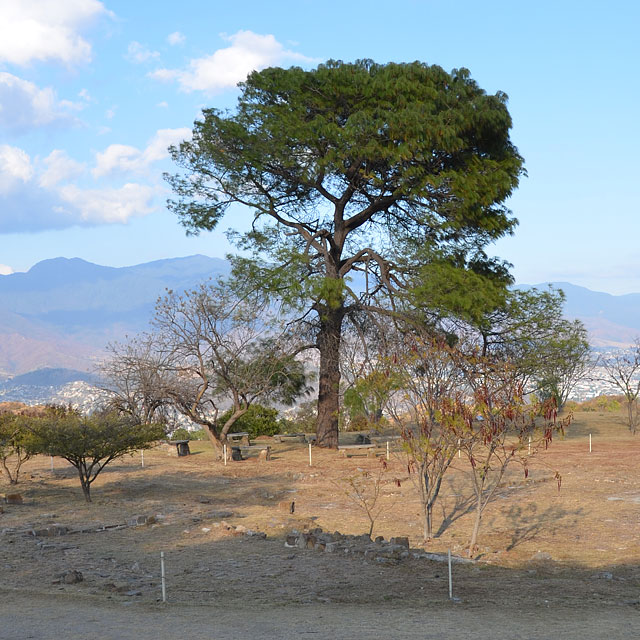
[551, 564]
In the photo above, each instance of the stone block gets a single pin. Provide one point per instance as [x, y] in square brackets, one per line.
[400, 540]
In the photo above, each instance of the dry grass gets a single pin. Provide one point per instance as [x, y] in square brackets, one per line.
[589, 526]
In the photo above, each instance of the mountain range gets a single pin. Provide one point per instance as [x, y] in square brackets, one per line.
[63, 312]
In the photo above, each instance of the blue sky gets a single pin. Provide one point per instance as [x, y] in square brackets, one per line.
[92, 93]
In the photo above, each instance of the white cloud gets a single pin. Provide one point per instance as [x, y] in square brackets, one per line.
[226, 67]
[138, 53]
[109, 205]
[125, 158]
[5, 270]
[59, 168]
[24, 106]
[15, 168]
[163, 105]
[38, 30]
[175, 38]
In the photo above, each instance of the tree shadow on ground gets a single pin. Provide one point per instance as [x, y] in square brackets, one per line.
[462, 504]
[527, 522]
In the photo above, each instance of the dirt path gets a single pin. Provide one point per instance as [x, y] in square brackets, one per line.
[41, 617]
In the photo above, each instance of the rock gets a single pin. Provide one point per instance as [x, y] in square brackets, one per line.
[241, 529]
[287, 505]
[400, 540]
[72, 577]
[203, 500]
[219, 514]
[602, 575]
[117, 587]
[50, 532]
[137, 521]
[13, 498]
[256, 534]
[541, 556]
[291, 540]
[379, 539]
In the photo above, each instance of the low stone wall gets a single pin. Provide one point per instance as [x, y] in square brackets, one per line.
[379, 550]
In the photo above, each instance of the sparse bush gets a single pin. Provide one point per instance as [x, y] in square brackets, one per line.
[17, 444]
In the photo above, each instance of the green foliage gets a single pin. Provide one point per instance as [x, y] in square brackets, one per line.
[528, 330]
[398, 171]
[365, 400]
[600, 403]
[90, 443]
[257, 421]
[181, 434]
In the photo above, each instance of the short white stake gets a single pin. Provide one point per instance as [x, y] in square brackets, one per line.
[51, 463]
[224, 452]
[529, 445]
[309, 454]
[589, 443]
[387, 449]
[164, 587]
[142, 457]
[450, 582]
[459, 453]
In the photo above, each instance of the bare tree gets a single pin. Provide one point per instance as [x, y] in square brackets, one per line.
[136, 379]
[623, 371]
[211, 351]
[499, 426]
[428, 381]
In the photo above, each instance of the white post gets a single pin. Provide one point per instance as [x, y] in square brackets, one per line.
[387, 450]
[589, 443]
[51, 463]
[450, 582]
[142, 456]
[309, 454]
[529, 445]
[224, 451]
[164, 588]
[459, 448]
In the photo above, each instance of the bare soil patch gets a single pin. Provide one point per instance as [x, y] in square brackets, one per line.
[563, 555]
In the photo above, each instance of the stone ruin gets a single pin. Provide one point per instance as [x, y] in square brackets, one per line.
[379, 550]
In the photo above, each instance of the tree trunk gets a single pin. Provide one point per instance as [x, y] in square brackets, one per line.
[86, 486]
[328, 343]
[215, 441]
[476, 527]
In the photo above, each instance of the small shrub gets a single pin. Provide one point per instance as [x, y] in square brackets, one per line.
[181, 434]
[258, 421]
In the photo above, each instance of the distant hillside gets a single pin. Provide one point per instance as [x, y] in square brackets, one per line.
[62, 312]
[612, 321]
[49, 377]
